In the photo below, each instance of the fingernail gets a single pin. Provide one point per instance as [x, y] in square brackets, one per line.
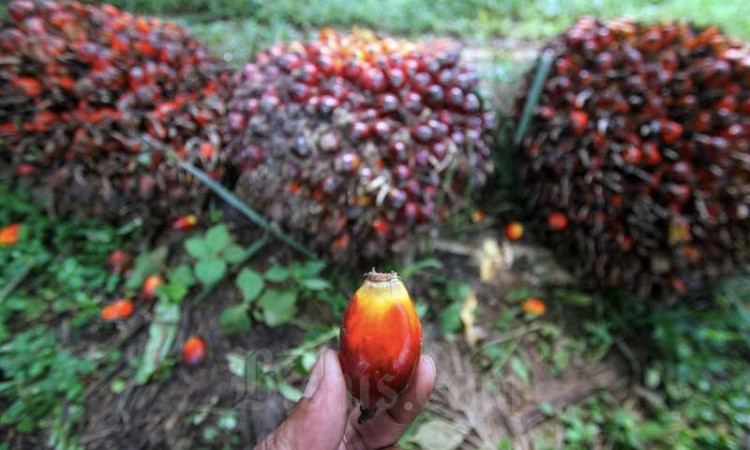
[423, 393]
[316, 377]
[431, 362]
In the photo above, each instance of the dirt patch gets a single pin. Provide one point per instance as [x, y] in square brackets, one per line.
[156, 415]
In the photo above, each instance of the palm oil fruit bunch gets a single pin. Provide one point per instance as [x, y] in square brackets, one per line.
[90, 96]
[636, 165]
[356, 143]
[381, 342]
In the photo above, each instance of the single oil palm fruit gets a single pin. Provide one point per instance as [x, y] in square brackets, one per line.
[193, 351]
[148, 291]
[119, 309]
[381, 341]
[514, 230]
[10, 235]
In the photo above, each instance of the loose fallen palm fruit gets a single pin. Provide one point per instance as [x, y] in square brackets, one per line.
[184, 222]
[119, 261]
[381, 341]
[514, 231]
[193, 351]
[478, 216]
[119, 309]
[148, 291]
[10, 234]
[534, 307]
[636, 165]
[91, 94]
[358, 144]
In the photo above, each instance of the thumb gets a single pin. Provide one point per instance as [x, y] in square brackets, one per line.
[319, 419]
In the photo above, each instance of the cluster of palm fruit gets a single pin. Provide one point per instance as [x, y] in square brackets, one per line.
[636, 166]
[358, 144]
[90, 98]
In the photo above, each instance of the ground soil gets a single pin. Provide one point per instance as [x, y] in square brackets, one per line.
[155, 416]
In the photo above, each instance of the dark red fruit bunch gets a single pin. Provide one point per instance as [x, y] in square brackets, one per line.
[89, 94]
[357, 143]
[636, 166]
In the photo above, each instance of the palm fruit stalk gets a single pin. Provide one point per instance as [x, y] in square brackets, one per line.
[89, 97]
[359, 144]
[636, 165]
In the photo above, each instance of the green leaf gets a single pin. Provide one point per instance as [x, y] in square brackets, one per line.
[532, 100]
[547, 409]
[315, 284]
[457, 291]
[450, 319]
[218, 238]
[210, 271]
[234, 254]
[518, 294]
[312, 268]
[276, 274]
[118, 385]
[652, 378]
[505, 443]
[197, 248]
[308, 360]
[227, 420]
[146, 264]
[237, 364]
[235, 320]
[278, 306]
[246, 366]
[419, 266]
[171, 293]
[289, 392]
[209, 433]
[422, 307]
[573, 298]
[181, 275]
[520, 369]
[161, 335]
[250, 284]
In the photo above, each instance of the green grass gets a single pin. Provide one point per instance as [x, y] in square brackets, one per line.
[52, 284]
[237, 29]
[468, 17]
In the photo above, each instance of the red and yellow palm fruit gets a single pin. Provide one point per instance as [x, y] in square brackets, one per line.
[533, 307]
[119, 309]
[514, 230]
[635, 166]
[10, 234]
[119, 262]
[148, 291]
[381, 342]
[193, 351]
[184, 222]
[358, 144]
[91, 95]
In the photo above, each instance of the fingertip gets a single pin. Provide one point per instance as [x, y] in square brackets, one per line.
[427, 374]
[332, 360]
[333, 388]
[427, 366]
[318, 421]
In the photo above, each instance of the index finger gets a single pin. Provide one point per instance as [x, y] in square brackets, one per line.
[387, 426]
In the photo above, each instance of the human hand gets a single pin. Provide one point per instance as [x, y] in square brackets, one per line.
[320, 420]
